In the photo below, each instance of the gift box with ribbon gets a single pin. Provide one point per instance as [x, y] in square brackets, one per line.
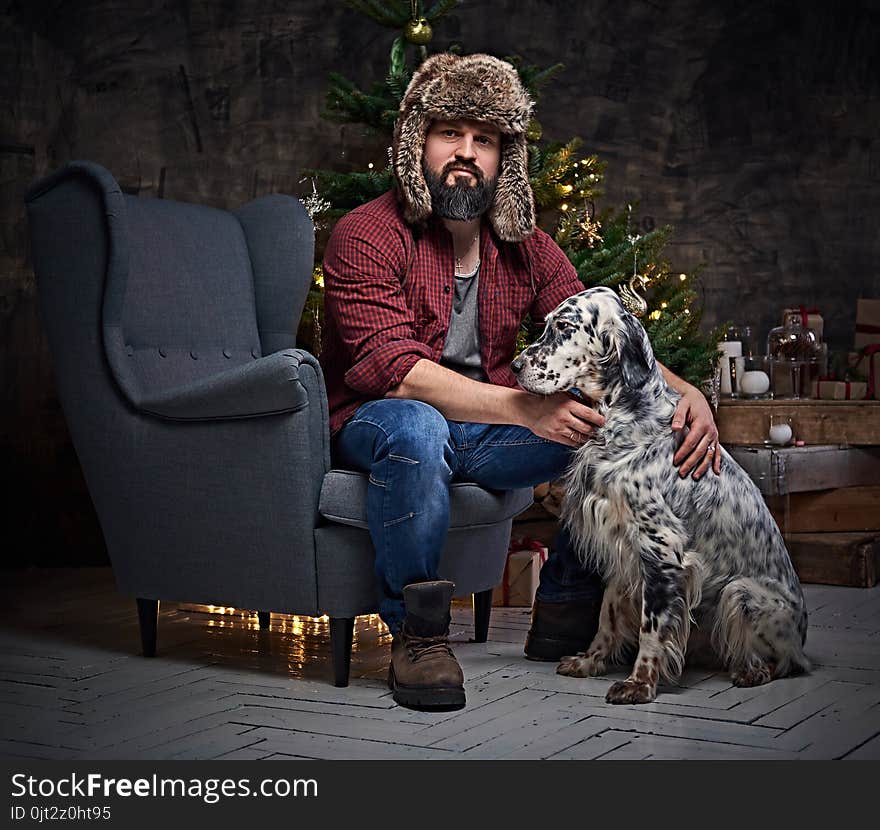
[864, 366]
[867, 323]
[810, 318]
[840, 390]
[520, 579]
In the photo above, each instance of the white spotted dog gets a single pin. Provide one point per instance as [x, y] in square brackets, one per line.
[672, 550]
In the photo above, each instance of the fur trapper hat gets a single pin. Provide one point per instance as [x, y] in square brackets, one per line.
[480, 88]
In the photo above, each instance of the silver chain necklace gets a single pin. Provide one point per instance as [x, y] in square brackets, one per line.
[459, 270]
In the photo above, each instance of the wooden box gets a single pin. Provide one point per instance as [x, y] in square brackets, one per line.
[836, 558]
[826, 501]
[780, 470]
[815, 422]
[842, 509]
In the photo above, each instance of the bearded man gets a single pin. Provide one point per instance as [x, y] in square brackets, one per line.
[425, 289]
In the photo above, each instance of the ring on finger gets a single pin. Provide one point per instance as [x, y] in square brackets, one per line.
[710, 449]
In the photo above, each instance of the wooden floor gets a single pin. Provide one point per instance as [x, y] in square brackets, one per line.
[73, 686]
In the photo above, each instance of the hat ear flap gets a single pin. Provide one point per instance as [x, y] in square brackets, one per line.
[407, 150]
[513, 208]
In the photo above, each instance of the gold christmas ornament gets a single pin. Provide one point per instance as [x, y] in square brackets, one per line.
[534, 130]
[589, 231]
[418, 31]
[632, 301]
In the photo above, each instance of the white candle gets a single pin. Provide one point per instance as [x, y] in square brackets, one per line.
[780, 434]
[754, 383]
[728, 349]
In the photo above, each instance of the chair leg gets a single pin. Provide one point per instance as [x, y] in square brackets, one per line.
[482, 611]
[341, 635]
[263, 617]
[148, 617]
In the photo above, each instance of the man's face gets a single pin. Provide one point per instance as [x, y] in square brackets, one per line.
[460, 164]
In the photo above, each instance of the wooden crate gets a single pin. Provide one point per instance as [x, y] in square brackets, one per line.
[842, 509]
[824, 499]
[802, 469]
[815, 422]
[851, 559]
[832, 536]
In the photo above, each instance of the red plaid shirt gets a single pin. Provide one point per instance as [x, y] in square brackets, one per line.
[388, 300]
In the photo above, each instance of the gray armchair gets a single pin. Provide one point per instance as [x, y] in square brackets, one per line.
[201, 429]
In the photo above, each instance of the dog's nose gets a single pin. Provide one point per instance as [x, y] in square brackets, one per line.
[516, 366]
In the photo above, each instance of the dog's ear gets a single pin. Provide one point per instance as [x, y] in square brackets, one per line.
[634, 353]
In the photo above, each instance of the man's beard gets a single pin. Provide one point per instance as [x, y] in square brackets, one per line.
[459, 201]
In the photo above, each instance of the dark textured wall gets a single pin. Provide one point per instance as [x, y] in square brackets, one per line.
[751, 127]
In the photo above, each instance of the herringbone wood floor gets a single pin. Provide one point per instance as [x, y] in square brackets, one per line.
[73, 686]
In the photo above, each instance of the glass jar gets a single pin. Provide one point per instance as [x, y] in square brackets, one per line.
[795, 352]
[747, 336]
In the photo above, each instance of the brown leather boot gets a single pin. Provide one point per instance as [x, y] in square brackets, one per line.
[424, 673]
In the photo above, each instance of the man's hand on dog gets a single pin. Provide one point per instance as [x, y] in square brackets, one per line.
[562, 418]
[699, 450]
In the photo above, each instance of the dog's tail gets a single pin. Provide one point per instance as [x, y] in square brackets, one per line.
[759, 622]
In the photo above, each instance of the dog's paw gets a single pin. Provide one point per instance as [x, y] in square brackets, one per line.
[631, 691]
[581, 665]
[751, 676]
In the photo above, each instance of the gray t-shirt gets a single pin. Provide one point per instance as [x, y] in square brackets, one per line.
[462, 350]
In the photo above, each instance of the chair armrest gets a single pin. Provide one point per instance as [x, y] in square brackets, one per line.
[271, 385]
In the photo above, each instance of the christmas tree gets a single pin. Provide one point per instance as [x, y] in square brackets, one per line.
[602, 247]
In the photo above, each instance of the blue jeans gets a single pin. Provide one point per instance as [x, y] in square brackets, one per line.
[412, 453]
